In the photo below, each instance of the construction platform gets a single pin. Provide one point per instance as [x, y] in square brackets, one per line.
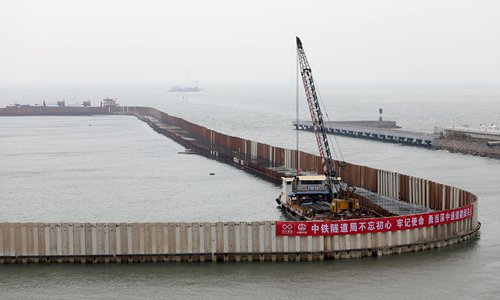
[453, 216]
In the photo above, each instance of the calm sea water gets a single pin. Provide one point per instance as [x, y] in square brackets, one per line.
[115, 168]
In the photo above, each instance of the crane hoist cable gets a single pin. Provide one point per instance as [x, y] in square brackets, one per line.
[317, 120]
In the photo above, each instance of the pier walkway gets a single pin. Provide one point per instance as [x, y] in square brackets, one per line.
[392, 135]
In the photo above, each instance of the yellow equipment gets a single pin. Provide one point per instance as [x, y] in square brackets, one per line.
[341, 205]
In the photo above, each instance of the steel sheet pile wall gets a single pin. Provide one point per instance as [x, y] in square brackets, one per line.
[422, 192]
[360, 176]
[243, 241]
[275, 156]
[407, 188]
[135, 242]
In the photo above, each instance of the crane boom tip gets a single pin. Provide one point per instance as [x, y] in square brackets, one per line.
[299, 43]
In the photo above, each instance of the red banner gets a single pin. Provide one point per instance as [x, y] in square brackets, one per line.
[373, 225]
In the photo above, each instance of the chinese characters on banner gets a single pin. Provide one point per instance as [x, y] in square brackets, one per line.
[373, 225]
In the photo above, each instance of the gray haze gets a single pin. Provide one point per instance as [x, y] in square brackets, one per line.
[387, 42]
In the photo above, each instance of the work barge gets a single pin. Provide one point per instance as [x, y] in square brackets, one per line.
[424, 214]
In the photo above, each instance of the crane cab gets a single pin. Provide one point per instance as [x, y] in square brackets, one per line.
[299, 190]
[308, 197]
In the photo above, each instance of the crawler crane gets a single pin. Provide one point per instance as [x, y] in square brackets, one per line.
[317, 197]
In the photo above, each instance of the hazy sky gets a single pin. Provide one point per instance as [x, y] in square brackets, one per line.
[387, 42]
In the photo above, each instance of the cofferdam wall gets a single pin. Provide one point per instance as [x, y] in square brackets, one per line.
[242, 241]
[452, 215]
[253, 155]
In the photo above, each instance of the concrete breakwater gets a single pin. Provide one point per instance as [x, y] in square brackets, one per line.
[384, 131]
[457, 219]
[460, 140]
[477, 148]
[474, 141]
[60, 111]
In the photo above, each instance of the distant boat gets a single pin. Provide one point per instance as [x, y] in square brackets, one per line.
[181, 88]
[109, 102]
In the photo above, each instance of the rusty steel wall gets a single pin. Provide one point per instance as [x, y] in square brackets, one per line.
[131, 242]
[259, 156]
[406, 188]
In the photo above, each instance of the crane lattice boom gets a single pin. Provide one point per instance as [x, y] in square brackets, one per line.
[317, 118]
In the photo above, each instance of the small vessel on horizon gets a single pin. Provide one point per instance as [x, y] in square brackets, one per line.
[181, 88]
[109, 102]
